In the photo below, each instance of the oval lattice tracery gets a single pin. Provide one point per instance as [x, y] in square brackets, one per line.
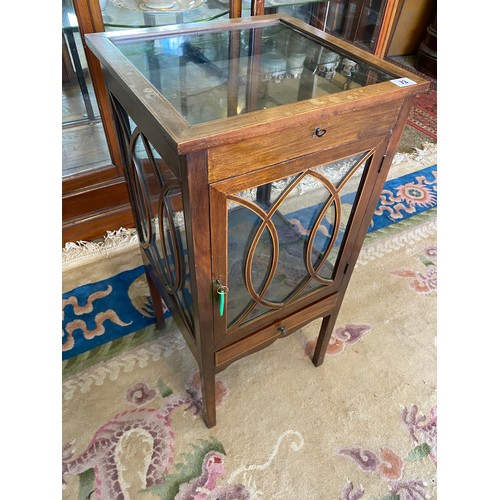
[169, 240]
[275, 271]
[140, 193]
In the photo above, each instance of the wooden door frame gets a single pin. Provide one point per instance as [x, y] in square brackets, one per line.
[387, 27]
[97, 201]
[373, 150]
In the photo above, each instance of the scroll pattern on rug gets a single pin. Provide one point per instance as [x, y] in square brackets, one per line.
[97, 313]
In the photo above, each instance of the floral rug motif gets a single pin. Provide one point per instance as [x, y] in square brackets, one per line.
[426, 281]
[363, 425]
[389, 465]
[406, 196]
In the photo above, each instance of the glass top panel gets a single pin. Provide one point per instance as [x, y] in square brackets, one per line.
[213, 75]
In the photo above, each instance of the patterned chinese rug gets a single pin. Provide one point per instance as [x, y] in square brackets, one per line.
[424, 112]
[363, 425]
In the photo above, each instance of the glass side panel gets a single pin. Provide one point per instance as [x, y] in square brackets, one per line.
[174, 253]
[212, 75]
[284, 238]
[160, 225]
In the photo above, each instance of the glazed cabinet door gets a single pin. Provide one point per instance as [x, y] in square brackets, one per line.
[281, 235]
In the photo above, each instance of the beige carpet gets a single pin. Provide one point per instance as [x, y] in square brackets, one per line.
[363, 425]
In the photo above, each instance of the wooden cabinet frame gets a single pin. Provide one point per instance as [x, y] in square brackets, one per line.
[203, 161]
[372, 153]
[96, 201]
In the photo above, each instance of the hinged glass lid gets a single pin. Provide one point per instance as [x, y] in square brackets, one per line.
[216, 74]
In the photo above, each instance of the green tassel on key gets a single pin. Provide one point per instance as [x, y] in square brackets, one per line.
[222, 301]
[221, 290]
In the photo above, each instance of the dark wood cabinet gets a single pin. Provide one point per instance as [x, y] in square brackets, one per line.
[94, 201]
[253, 173]
[426, 60]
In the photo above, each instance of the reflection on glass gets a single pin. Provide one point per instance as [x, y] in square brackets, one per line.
[284, 239]
[174, 257]
[143, 13]
[160, 225]
[212, 75]
[358, 21]
[84, 143]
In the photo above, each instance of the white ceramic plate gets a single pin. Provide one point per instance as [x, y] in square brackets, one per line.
[155, 7]
[176, 6]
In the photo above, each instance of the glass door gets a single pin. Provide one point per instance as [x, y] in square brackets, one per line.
[358, 21]
[285, 238]
[84, 143]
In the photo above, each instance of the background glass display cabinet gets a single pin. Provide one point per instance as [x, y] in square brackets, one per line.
[357, 21]
[132, 13]
[255, 150]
